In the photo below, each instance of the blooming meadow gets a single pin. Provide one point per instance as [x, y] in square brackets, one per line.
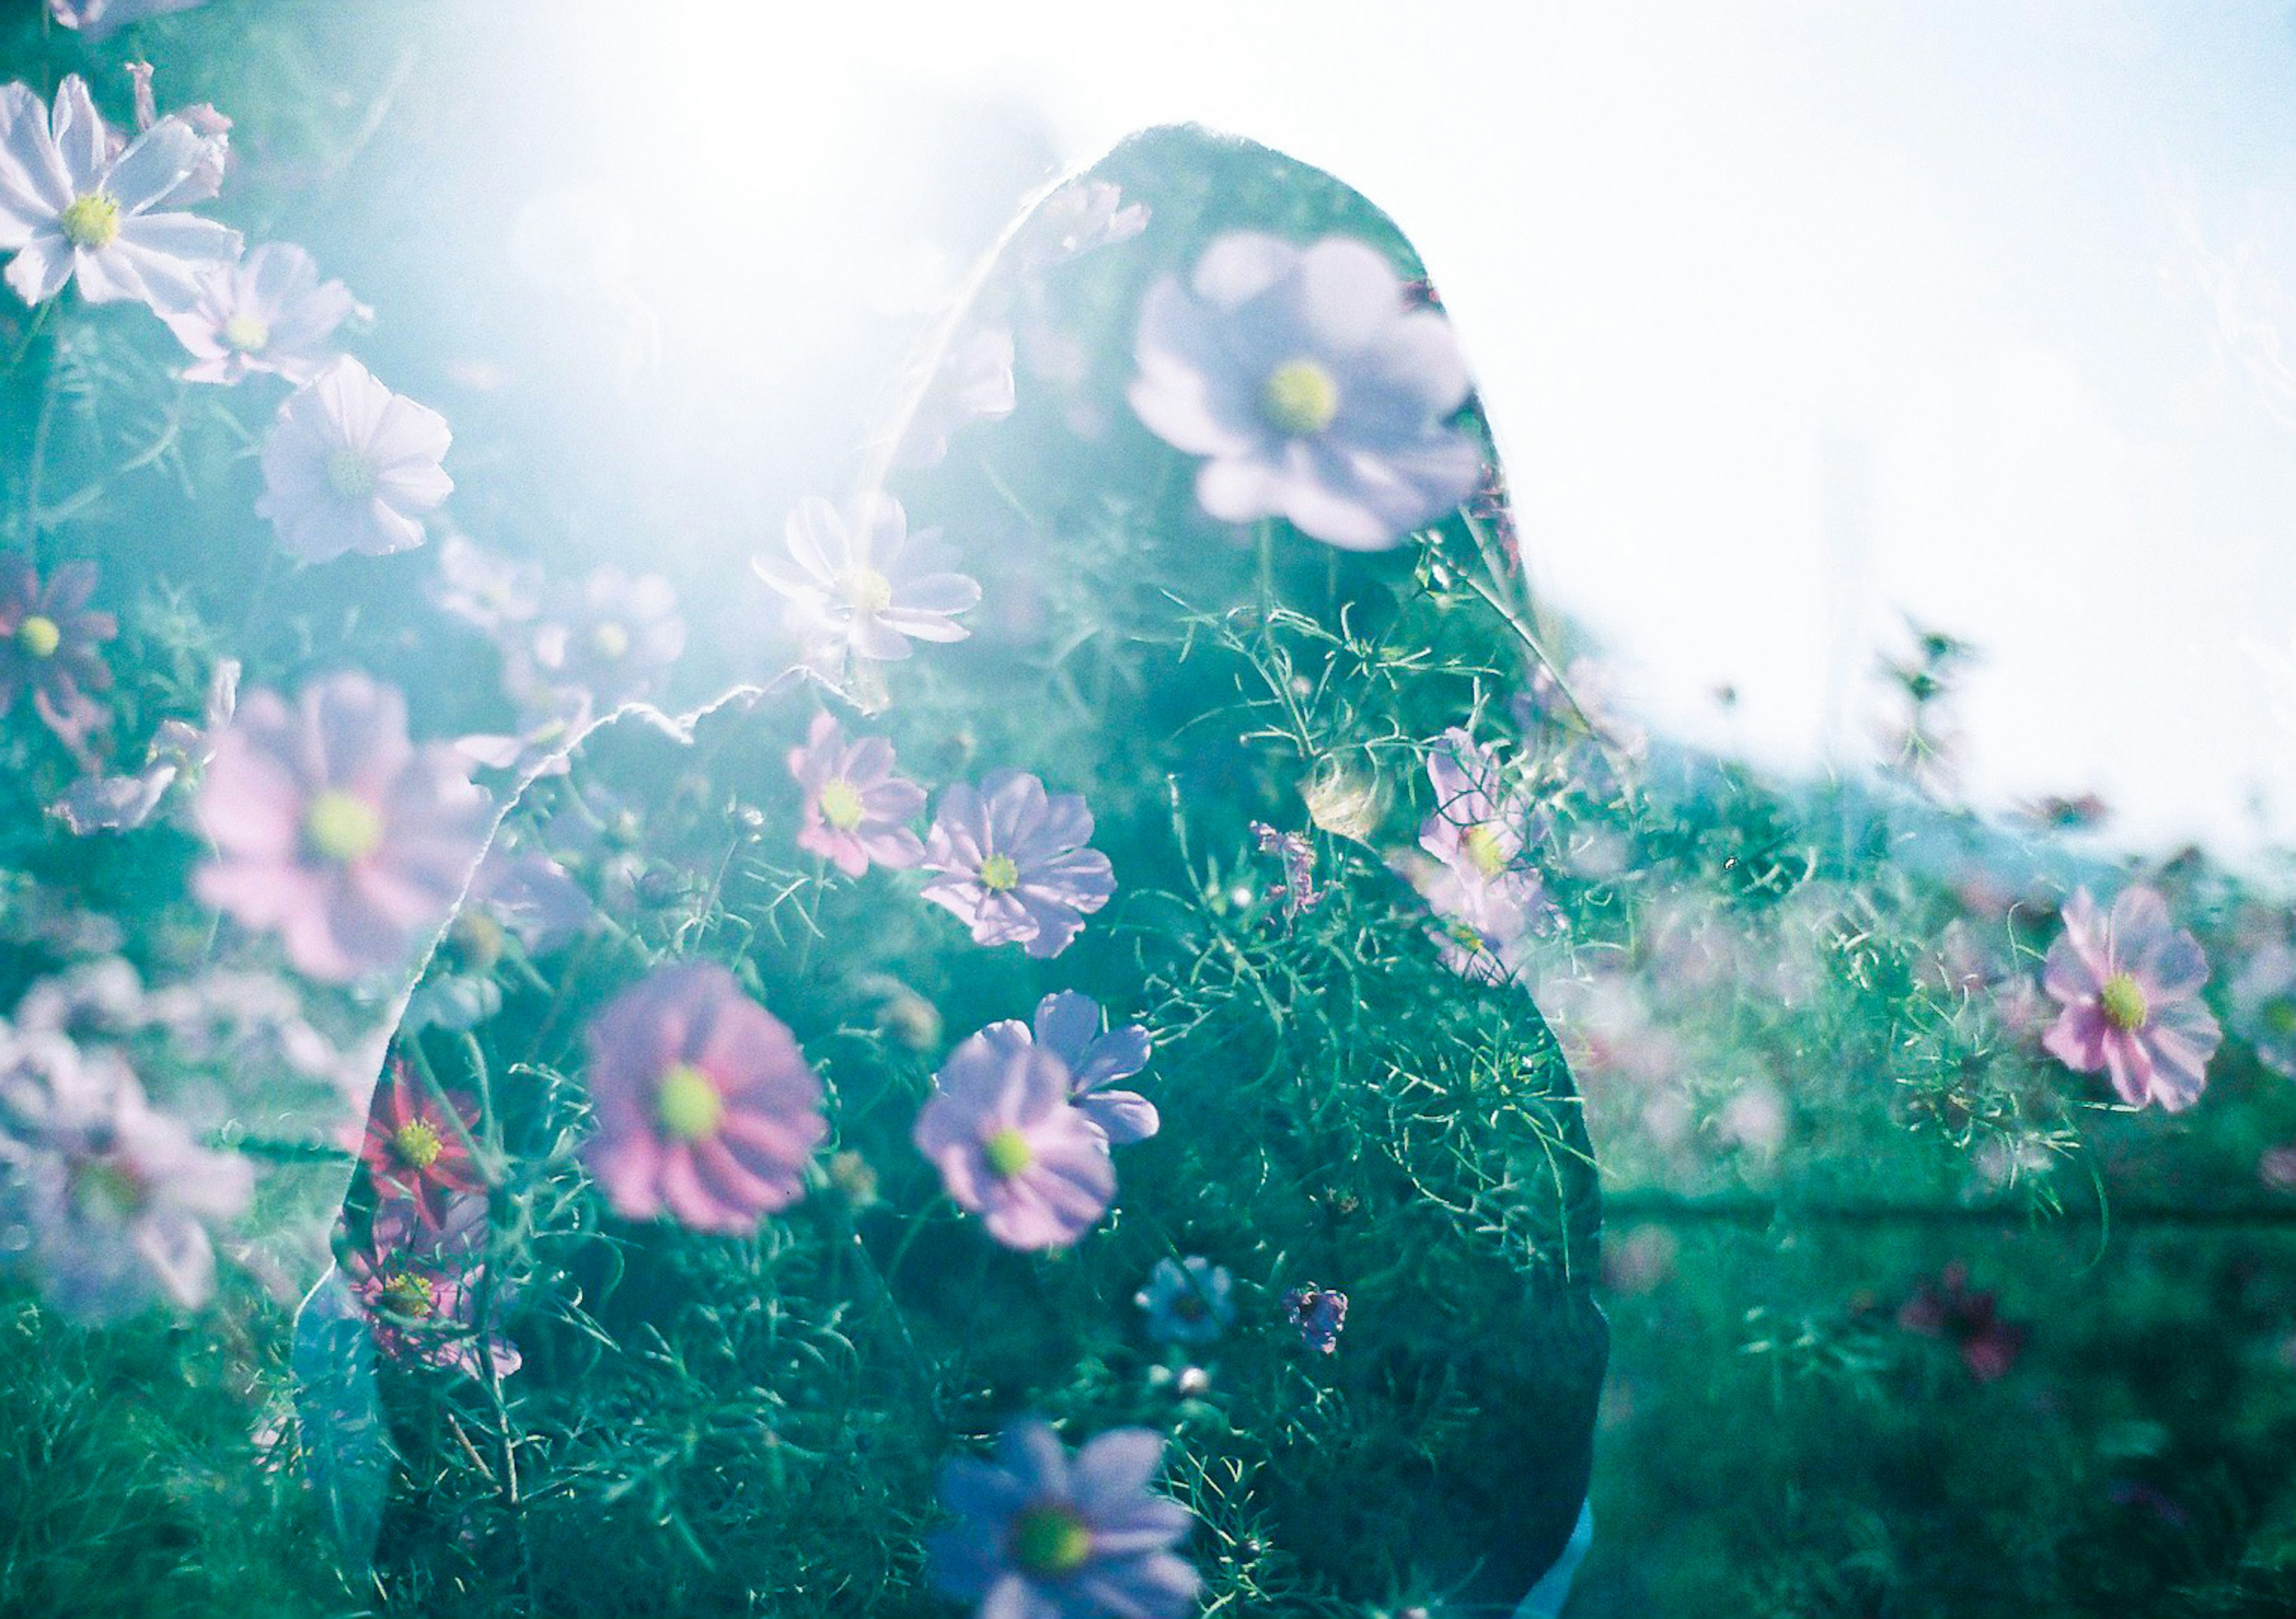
[1025, 1025]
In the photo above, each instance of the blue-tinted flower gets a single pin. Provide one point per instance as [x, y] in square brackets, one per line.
[856, 810]
[72, 208]
[1042, 1534]
[2263, 1010]
[612, 635]
[484, 590]
[1012, 864]
[1188, 1301]
[268, 312]
[1068, 1026]
[1012, 1148]
[1313, 391]
[859, 582]
[351, 466]
[1320, 1314]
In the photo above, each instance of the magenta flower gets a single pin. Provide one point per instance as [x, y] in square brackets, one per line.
[117, 1200]
[268, 312]
[49, 639]
[96, 18]
[705, 1107]
[420, 1282]
[1012, 862]
[1068, 1026]
[351, 466]
[1314, 393]
[330, 826]
[2130, 987]
[856, 810]
[1044, 1535]
[858, 582]
[72, 207]
[1012, 1148]
[1969, 1319]
[1320, 1315]
[612, 635]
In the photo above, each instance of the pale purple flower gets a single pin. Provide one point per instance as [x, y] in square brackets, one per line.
[351, 466]
[1081, 215]
[532, 896]
[330, 826]
[856, 810]
[178, 749]
[1591, 704]
[2130, 986]
[484, 589]
[1188, 1301]
[96, 18]
[1319, 1314]
[1297, 893]
[269, 312]
[1312, 389]
[555, 723]
[1479, 824]
[111, 1202]
[613, 634]
[1012, 1148]
[204, 178]
[1042, 1534]
[50, 638]
[1068, 1026]
[706, 1109]
[1479, 928]
[70, 208]
[859, 581]
[1012, 864]
[974, 383]
[2263, 1010]
[420, 1283]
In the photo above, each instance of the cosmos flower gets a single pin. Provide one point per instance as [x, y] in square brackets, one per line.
[1188, 1301]
[412, 1147]
[2129, 985]
[2263, 1009]
[858, 582]
[267, 313]
[109, 1201]
[96, 18]
[1012, 864]
[420, 1281]
[178, 749]
[1477, 828]
[856, 810]
[1074, 220]
[1968, 1320]
[611, 635]
[1042, 1534]
[705, 1107]
[1012, 1148]
[71, 209]
[1315, 394]
[485, 589]
[1479, 928]
[530, 895]
[1319, 1314]
[330, 826]
[351, 466]
[1068, 1026]
[49, 638]
[974, 383]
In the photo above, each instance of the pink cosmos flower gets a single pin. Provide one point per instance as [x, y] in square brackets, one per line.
[859, 582]
[1478, 826]
[1012, 862]
[2130, 987]
[1012, 1148]
[114, 1199]
[72, 207]
[1068, 1026]
[49, 639]
[351, 466]
[856, 810]
[268, 312]
[420, 1281]
[411, 1147]
[705, 1107]
[330, 826]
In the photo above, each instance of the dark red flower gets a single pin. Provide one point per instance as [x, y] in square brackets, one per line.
[413, 1144]
[1967, 1318]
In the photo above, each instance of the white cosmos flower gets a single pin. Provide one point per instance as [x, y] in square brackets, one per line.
[858, 582]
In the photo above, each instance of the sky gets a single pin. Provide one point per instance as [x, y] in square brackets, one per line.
[1793, 319]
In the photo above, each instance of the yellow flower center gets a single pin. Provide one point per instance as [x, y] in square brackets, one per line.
[688, 1105]
[416, 1144]
[998, 873]
[2123, 1003]
[1008, 1152]
[1302, 398]
[610, 639]
[350, 475]
[1467, 938]
[39, 637]
[342, 826]
[408, 1294]
[91, 220]
[1486, 849]
[246, 334]
[840, 804]
[1049, 1539]
[867, 591]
